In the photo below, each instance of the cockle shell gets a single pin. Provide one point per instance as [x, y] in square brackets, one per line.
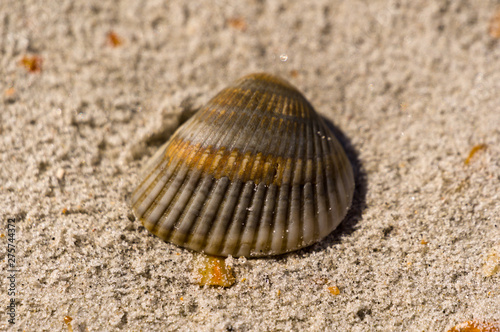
[256, 172]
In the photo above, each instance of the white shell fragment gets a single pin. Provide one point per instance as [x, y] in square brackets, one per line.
[255, 172]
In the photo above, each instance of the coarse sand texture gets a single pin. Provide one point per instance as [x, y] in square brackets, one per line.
[90, 90]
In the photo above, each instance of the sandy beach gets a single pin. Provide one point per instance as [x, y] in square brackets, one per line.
[89, 90]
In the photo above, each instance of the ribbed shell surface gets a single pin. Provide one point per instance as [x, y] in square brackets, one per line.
[255, 172]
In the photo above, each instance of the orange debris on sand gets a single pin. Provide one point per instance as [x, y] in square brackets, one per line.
[475, 326]
[9, 92]
[114, 40]
[473, 151]
[212, 271]
[67, 321]
[33, 63]
[494, 29]
[334, 290]
[423, 242]
[237, 23]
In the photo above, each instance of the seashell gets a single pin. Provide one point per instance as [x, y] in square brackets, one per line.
[255, 172]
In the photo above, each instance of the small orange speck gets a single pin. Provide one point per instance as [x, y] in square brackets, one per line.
[244, 279]
[182, 298]
[9, 92]
[494, 29]
[64, 211]
[409, 263]
[475, 326]
[334, 290]
[294, 73]
[473, 151]
[113, 39]
[32, 63]
[423, 242]
[67, 320]
[237, 23]
[279, 292]
[213, 271]
[2, 235]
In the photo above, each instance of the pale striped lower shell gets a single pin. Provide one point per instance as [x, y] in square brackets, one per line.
[255, 172]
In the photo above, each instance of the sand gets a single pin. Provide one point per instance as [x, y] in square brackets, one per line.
[412, 85]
